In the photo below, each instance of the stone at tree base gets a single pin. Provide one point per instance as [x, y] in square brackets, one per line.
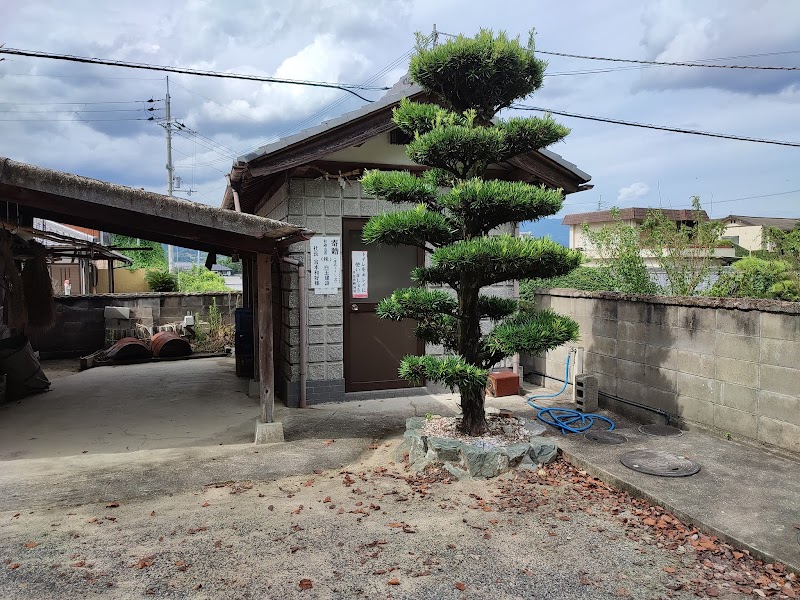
[491, 411]
[516, 452]
[457, 472]
[445, 449]
[483, 464]
[414, 443]
[415, 423]
[542, 452]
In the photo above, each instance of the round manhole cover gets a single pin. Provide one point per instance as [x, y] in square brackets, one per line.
[656, 462]
[605, 437]
[661, 430]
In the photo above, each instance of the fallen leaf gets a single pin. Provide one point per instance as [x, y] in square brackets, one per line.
[112, 505]
[328, 442]
[305, 584]
[79, 564]
[14, 566]
[198, 586]
[31, 544]
[152, 513]
[145, 562]
[460, 586]
[669, 570]
[204, 504]
[737, 555]
[308, 483]
[712, 592]
[393, 582]
[397, 525]
[92, 520]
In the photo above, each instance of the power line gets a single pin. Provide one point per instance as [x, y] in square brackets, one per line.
[715, 201]
[658, 127]
[669, 64]
[79, 110]
[151, 100]
[74, 120]
[203, 73]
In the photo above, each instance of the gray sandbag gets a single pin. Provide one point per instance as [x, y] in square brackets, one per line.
[24, 374]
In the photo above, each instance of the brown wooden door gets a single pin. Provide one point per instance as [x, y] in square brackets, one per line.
[373, 347]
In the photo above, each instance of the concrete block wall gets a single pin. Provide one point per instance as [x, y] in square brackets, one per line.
[80, 323]
[730, 366]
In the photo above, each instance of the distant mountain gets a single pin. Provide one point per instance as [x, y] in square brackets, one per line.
[548, 227]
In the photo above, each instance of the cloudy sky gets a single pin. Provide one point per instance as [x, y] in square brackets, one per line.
[91, 119]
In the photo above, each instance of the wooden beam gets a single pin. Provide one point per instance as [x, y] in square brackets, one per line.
[266, 367]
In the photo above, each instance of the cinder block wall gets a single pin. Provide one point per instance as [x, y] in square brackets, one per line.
[728, 365]
[80, 325]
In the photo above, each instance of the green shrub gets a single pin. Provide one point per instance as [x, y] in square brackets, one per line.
[161, 281]
[590, 279]
[200, 279]
[753, 277]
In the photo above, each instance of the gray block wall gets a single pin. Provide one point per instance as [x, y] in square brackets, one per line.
[79, 327]
[729, 366]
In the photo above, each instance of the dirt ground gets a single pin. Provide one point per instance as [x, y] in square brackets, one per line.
[376, 530]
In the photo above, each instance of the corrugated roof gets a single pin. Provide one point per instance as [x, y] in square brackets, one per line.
[782, 223]
[629, 214]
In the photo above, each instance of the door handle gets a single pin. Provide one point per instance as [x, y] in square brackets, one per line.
[354, 307]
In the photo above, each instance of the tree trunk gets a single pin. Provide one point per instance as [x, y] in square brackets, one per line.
[474, 422]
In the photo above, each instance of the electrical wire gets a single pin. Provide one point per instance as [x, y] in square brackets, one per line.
[347, 87]
[567, 205]
[151, 100]
[657, 127]
[669, 64]
[74, 120]
[79, 110]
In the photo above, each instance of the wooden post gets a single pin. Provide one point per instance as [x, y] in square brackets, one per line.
[254, 292]
[266, 368]
[110, 276]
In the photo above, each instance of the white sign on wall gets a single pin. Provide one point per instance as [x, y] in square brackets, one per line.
[326, 264]
[360, 275]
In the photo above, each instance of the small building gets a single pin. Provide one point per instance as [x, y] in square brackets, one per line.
[750, 232]
[329, 342]
[596, 220]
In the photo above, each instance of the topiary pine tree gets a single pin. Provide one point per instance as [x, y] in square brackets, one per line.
[458, 138]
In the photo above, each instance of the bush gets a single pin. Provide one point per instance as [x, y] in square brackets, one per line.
[161, 281]
[200, 279]
[590, 279]
[753, 277]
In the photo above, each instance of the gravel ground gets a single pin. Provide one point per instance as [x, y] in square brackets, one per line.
[376, 531]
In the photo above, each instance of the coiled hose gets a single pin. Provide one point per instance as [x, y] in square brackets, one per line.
[566, 419]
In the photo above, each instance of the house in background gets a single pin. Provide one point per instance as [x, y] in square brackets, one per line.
[750, 232]
[596, 220]
[328, 339]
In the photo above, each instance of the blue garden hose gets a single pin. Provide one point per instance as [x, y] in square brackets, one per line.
[566, 419]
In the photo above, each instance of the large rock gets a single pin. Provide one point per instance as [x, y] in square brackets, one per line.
[415, 423]
[516, 452]
[414, 444]
[542, 451]
[483, 463]
[445, 449]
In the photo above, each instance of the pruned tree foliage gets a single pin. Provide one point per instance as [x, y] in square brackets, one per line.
[455, 208]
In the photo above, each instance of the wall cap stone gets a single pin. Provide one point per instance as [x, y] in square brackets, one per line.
[745, 304]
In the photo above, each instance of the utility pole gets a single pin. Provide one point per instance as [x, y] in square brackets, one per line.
[168, 129]
[435, 36]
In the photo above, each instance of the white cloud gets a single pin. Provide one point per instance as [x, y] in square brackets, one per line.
[633, 192]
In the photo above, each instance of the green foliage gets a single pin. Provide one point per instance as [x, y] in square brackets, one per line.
[161, 281]
[684, 251]
[620, 250]
[414, 227]
[200, 279]
[399, 187]
[753, 277]
[785, 244]
[474, 203]
[154, 258]
[227, 261]
[452, 371]
[485, 73]
[418, 117]
[489, 260]
[589, 279]
[471, 79]
[532, 332]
